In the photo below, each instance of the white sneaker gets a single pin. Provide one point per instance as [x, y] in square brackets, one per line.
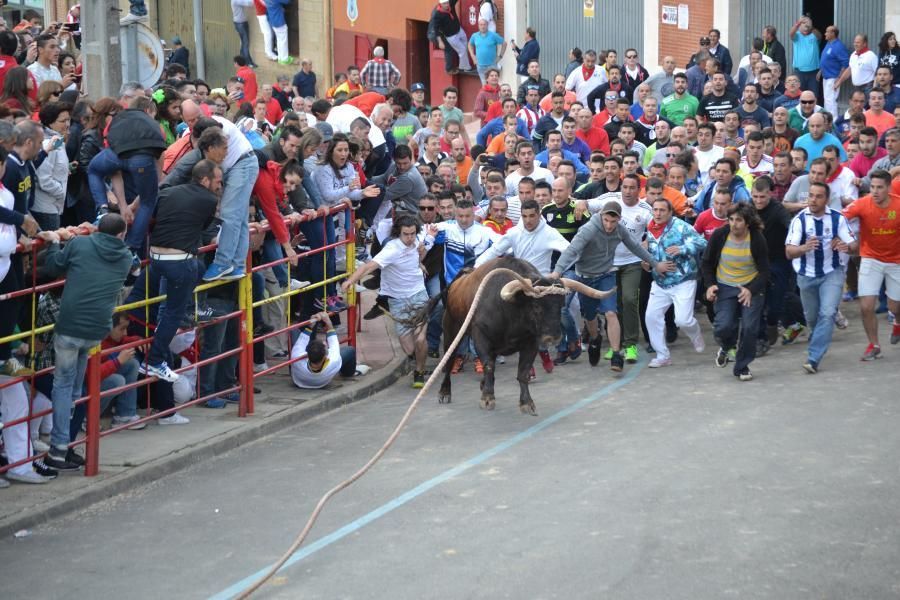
[174, 419]
[3, 484]
[258, 368]
[162, 371]
[699, 344]
[658, 363]
[40, 446]
[27, 477]
[116, 421]
[296, 284]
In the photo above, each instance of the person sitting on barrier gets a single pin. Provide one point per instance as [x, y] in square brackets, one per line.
[95, 267]
[323, 360]
[183, 213]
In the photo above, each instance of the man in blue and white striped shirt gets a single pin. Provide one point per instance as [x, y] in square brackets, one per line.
[818, 241]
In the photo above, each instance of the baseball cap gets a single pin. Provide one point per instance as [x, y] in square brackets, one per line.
[612, 208]
[326, 130]
[176, 40]
[417, 87]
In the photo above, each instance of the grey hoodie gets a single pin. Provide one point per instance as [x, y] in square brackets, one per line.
[592, 249]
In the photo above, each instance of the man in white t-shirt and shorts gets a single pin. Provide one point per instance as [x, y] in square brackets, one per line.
[403, 282]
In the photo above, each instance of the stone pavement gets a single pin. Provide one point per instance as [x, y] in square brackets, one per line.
[129, 459]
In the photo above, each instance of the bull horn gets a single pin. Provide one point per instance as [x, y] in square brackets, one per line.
[508, 292]
[577, 286]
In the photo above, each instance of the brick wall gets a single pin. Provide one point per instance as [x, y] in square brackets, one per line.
[682, 43]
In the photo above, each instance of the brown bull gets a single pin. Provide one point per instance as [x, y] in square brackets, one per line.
[518, 312]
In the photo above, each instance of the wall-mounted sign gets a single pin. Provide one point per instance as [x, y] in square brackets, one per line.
[352, 12]
[669, 15]
[683, 16]
[588, 9]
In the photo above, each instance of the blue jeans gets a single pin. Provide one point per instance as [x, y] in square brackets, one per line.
[68, 380]
[567, 320]
[243, 31]
[217, 338]
[271, 251]
[732, 319]
[234, 236]
[126, 402]
[178, 278]
[435, 326]
[139, 173]
[821, 297]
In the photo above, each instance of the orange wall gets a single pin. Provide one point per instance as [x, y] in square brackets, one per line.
[382, 19]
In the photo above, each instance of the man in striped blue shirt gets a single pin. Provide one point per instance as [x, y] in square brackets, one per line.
[818, 243]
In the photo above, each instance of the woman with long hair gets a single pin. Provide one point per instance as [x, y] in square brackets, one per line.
[889, 55]
[18, 89]
[82, 114]
[168, 111]
[736, 272]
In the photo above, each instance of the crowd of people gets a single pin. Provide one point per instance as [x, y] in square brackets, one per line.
[726, 189]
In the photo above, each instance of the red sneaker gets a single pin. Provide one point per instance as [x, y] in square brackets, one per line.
[457, 365]
[547, 361]
[479, 368]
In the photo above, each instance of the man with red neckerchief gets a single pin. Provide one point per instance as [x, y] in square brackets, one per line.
[585, 80]
[597, 98]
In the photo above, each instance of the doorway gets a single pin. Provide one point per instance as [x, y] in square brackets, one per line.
[821, 13]
[418, 54]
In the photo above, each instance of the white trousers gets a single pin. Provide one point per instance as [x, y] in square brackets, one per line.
[14, 405]
[458, 43]
[281, 40]
[831, 96]
[266, 30]
[682, 296]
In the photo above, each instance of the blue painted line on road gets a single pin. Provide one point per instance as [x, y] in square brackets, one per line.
[420, 489]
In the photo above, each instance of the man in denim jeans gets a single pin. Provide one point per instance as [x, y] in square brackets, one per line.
[184, 212]
[95, 268]
[241, 167]
[818, 243]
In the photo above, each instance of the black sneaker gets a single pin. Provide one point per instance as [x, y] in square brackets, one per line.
[721, 358]
[617, 362]
[762, 347]
[671, 335]
[433, 353]
[207, 313]
[594, 350]
[262, 328]
[60, 462]
[418, 380]
[43, 470]
[373, 313]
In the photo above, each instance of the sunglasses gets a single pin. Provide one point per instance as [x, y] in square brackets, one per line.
[631, 56]
[427, 208]
[807, 102]
[240, 80]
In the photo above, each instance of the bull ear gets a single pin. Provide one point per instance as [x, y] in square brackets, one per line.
[508, 292]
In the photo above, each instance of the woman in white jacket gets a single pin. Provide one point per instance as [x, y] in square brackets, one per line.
[53, 172]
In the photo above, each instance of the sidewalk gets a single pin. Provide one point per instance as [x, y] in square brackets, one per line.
[130, 459]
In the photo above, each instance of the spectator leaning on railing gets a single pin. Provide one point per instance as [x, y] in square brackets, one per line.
[95, 268]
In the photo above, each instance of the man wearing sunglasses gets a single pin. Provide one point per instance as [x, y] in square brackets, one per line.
[798, 118]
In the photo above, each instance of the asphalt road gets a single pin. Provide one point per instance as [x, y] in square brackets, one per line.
[678, 483]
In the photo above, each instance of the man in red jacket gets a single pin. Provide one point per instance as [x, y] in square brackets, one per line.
[120, 369]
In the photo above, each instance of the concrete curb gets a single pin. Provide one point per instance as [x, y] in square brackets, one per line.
[176, 461]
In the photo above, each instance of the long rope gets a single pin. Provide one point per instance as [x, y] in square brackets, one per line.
[387, 444]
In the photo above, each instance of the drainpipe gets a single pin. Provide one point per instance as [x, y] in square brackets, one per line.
[199, 52]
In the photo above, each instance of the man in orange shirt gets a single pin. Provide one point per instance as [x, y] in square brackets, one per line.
[245, 73]
[876, 116]
[595, 137]
[461, 158]
[497, 221]
[879, 249]
[559, 85]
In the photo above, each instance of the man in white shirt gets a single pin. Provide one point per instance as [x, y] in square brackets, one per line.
[44, 68]
[527, 168]
[582, 81]
[707, 153]
[863, 64]
[842, 190]
[324, 360]
[403, 283]
[531, 240]
[818, 244]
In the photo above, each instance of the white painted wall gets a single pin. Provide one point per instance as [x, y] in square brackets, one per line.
[515, 20]
[650, 53]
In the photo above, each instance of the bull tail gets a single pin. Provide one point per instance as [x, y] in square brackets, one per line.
[421, 316]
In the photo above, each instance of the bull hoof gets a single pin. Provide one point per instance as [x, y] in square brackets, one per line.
[444, 398]
[528, 409]
[487, 402]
